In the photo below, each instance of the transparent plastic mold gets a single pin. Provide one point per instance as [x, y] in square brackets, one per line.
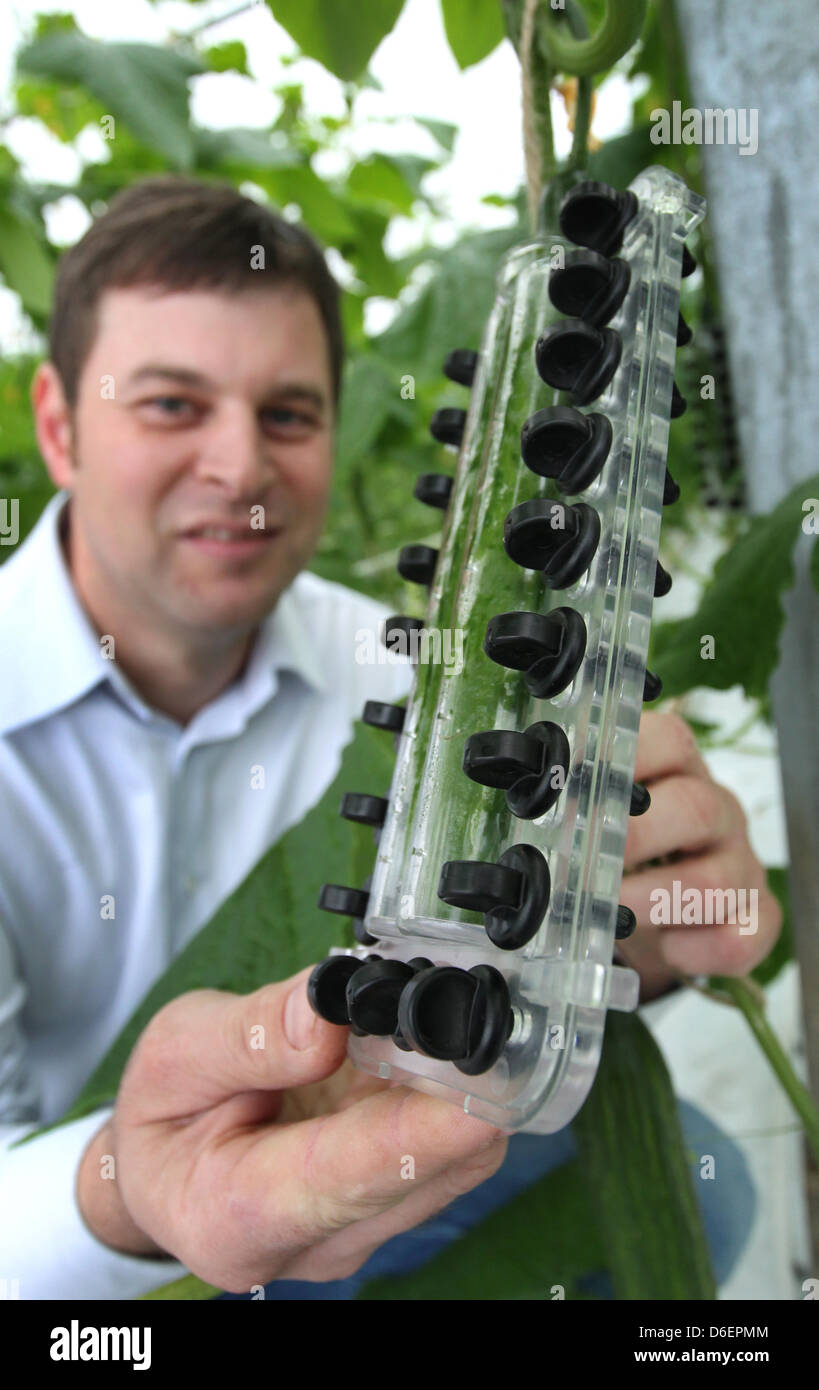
[560, 978]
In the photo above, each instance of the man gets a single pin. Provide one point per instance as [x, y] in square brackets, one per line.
[166, 641]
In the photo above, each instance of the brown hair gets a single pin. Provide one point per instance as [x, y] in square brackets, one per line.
[179, 233]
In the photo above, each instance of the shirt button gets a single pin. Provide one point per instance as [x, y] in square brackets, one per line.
[189, 883]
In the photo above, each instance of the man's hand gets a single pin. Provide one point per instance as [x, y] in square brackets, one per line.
[703, 826]
[251, 1163]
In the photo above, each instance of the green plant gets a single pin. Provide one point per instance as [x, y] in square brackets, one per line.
[68, 82]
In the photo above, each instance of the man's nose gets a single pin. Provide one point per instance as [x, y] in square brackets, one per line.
[235, 453]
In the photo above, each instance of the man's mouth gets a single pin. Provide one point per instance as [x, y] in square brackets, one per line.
[230, 541]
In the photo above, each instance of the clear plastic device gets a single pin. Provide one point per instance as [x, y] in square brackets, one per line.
[493, 908]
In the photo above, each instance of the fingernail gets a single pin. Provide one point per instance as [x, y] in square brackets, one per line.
[300, 1022]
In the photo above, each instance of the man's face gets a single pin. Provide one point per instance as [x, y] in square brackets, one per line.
[200, 409]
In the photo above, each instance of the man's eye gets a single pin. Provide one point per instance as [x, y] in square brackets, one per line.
[172, 406]
[288, 417]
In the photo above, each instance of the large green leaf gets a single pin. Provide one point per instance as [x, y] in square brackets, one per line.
[634, 1161]
[741, 608]
[243, 148]
[547, 1238]
[473, 28]
[341, 34]
[270, 927]
[24, 260]
[451, 309]
[143, 85]
[625, 1207]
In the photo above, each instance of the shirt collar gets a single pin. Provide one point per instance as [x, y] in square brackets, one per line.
[52, 649]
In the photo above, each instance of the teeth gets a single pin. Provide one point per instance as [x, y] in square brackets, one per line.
[219, 533]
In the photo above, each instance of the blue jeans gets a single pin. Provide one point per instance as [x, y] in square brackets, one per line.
[727, 1203]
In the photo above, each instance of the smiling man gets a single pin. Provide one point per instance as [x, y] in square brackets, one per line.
[166, 643]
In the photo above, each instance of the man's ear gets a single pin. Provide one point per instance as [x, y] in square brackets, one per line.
[52, 423]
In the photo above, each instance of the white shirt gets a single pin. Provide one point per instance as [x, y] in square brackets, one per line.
[100, 794]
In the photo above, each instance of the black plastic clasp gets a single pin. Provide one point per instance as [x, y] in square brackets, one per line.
[596, 215]
[348, 902]
[589, 286]
[417, 563]
[460, 1016]
[532, 768]
[563, 443]
[553, 537]
[461, 365]
[513, 894]
[397, 634]
[364, 809]
[447, 425]
[384, 716]
[433, 489]
[574, 356]
[547, 647]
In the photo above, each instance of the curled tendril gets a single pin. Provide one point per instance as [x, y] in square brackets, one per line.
[583, 57]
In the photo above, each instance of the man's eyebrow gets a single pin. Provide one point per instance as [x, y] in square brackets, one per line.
[186, 376]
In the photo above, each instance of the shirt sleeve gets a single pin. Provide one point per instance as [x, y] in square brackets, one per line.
[46, 1250]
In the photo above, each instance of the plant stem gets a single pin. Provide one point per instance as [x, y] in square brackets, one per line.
[582, 111]
[584, 57]
[745, 998]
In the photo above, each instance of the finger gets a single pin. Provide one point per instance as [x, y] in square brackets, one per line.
[673, 906]
[687, 813]
[666, 744]
[209, 1045]
[336, 1170]
[341, 1254]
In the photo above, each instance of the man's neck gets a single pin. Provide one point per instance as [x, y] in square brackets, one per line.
[177, 682]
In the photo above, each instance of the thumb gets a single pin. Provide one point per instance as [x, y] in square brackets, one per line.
[209, 1045]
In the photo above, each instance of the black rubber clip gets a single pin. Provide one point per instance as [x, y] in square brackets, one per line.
[460, 366]
[434, 489]
[547, 647]
[532, 768]
[558, 539]
[460, 1016]
[573, 356]
[596, 215]
[447, 425]
[589, 286]
[513, 894]
[563, 443]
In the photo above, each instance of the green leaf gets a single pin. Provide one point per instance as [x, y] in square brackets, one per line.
[141, 84]
[378, 180]
[546, 1236]
[365, 251]
[619, 160]
[625, 1206]
[451, 309]
[24, 260]
[341, 34]
[324, 213]
[443, 131]
[270, 927]
[638, 1180]
[227, 57]
[242, 148]
[740, 608]
[473, 28]
[367, 400]
[785, 947]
